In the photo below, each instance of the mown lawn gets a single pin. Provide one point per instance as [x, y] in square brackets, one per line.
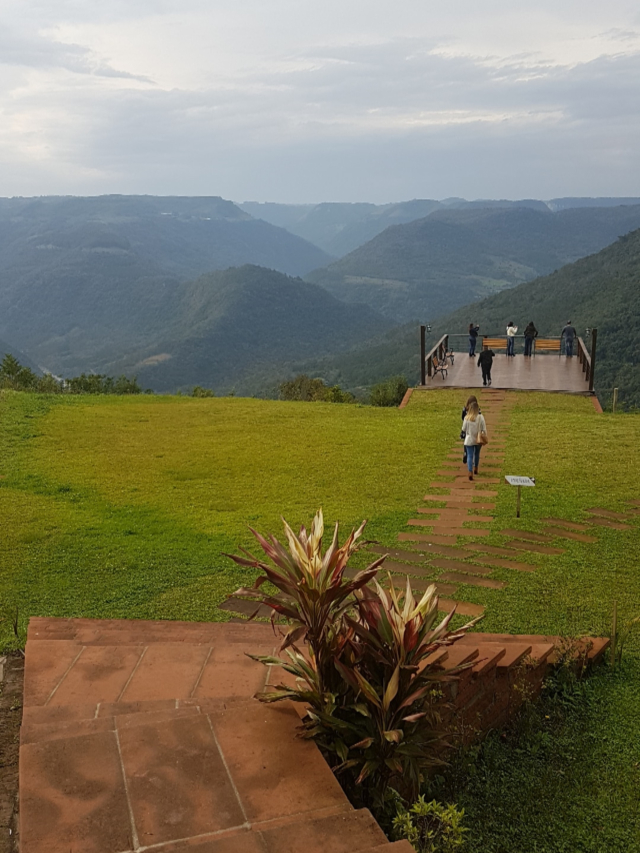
[122, 507]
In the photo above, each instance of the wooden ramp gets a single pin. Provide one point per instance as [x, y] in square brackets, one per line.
[540, 373]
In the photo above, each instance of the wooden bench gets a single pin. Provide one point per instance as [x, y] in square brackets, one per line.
[494, 343]
[547, 345]
[439, 366]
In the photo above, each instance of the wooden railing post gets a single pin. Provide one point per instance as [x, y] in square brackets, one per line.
[423, 352]
[594, 340]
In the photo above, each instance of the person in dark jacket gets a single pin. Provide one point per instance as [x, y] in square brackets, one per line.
[530, 334]
[568, 333]
[485, 361]
[473, 337]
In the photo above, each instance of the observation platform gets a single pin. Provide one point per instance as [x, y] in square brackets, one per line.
[539, 373]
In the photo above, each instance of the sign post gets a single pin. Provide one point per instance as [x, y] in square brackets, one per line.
[519, 482]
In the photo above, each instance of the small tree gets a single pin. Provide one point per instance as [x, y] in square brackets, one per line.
[390, 392]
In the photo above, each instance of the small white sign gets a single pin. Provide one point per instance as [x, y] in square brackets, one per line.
[520, 481]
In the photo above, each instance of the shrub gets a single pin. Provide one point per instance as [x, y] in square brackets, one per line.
[430, 827]
[202, 392]
[306, 389]
[390, 392]
[370, 692]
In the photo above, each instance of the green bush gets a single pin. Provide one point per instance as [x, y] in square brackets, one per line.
[371, 694]
[430, 827]
[202, 392]
[390, 392]
[306, 389]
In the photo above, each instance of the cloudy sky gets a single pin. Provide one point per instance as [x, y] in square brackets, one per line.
[301, 101]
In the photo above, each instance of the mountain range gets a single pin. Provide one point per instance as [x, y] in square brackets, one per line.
[426, 268]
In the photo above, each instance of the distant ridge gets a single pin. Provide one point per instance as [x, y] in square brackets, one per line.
[425, 269]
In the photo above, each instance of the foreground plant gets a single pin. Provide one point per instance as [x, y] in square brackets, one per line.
[370, 682]
[314, 589]
[431, 827]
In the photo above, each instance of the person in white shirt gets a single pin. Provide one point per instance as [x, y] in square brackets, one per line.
[473, 426]
[511, 334]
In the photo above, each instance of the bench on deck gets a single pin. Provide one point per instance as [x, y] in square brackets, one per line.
[439, 366]
[547, 345]
[494, 343]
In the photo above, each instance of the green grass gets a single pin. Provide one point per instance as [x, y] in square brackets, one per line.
[122, 508]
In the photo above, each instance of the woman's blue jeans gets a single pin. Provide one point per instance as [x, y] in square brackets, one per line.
[473, 456]
[472, 345]
[528, 345]
[510, 345]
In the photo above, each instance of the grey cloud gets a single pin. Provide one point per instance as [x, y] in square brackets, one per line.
[35, 51]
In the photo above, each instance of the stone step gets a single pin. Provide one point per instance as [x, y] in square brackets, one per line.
[471, 580]
[397, 554]
[534, 548]
[607, 522]
[450, 529]
[470, 501]
[562, 522]
[559, 533]
[507, 564]
[454, 515]
[428, 547]
[607, 513]
[464, 484]
[465, 608]
[434, 538]
[525, 535]
[455, 566]
[491, 549]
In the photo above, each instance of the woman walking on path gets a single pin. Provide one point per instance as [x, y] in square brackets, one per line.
[472, 399]
[511, 335]
[530, 334]
[473, 426]
[473, 337]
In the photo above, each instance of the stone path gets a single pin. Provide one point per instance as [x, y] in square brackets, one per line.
[444, 542]
[144, 736]
[452, 554]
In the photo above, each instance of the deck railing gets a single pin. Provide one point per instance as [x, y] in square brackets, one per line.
[439, 350]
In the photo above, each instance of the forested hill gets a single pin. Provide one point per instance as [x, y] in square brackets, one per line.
[240, 328]
[81, 277]
[429, 267]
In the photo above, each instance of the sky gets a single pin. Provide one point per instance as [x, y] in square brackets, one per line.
[332, 100]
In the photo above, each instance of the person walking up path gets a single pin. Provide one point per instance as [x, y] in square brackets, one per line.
[473, 337]
[511, 335]
[568, 333]
[485, 361]
[530, 334]
[475, 434]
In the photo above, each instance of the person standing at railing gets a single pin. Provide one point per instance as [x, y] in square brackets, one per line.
[530, 334]
[511, 335]
[569, 334]
[473, 337]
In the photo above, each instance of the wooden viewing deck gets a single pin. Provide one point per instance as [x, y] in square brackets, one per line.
[542, 373]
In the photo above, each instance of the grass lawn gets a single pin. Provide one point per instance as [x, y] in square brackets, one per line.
[122, 507]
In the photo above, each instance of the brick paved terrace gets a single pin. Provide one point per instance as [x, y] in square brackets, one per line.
[144, 736]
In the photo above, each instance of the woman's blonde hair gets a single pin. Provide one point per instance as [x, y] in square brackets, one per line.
[472, 399]
[473, 410]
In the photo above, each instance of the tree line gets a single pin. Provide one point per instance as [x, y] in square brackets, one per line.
[16, 377]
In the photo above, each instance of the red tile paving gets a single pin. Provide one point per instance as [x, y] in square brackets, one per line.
[187, 773]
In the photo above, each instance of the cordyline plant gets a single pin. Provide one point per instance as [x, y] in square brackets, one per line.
[372, 693]
[314, 591]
